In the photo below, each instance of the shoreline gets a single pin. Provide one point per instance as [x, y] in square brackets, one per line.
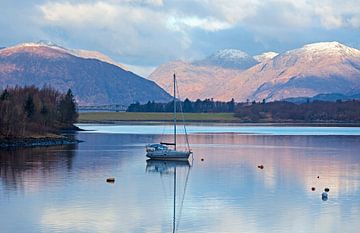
[239, 123]
[14, 143]
[192, 118]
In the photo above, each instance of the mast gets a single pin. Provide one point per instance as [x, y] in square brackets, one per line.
[174, 213]
[174, 111]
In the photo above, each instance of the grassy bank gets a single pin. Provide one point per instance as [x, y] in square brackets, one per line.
[113, 117]
[91, 117]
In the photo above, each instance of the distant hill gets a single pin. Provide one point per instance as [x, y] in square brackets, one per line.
[326, 67]
[324, 97]
[89, 74]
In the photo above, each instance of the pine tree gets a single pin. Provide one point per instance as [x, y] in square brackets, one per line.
[5, 95]
[29, 106]
[67, 108]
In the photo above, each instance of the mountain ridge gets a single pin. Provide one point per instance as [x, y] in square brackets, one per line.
[94, 82]
[318, 68]
[332, 97]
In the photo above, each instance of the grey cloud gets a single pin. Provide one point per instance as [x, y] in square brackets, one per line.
[145, 33]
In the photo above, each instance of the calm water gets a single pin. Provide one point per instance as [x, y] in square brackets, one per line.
[63, 189]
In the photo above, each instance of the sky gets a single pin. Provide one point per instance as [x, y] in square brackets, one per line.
[142, 34]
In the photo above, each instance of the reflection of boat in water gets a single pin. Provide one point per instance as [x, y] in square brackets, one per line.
[168, 168]
[164, 166]
[162, 151]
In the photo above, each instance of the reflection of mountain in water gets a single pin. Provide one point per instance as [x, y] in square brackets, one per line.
[28, 169]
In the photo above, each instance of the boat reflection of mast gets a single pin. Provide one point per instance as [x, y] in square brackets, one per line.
[163, 167]
[174, 214]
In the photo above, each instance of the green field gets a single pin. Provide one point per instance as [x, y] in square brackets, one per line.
[92, 117]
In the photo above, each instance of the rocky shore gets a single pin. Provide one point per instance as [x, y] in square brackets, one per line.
[7, 143]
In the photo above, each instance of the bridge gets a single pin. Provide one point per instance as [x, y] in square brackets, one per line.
[103, 108]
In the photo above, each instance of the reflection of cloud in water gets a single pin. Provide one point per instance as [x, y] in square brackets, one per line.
[290, 158]
[70, 219]
[226, 192]
[295, 217]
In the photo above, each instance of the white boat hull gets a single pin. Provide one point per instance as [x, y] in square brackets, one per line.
[169, 155]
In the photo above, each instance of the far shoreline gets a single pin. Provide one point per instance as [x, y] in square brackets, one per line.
[277, 124]
[136, 118]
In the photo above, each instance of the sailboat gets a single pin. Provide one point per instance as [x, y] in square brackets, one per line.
[161, 151]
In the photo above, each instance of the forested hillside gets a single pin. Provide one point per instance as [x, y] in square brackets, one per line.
[30, 111]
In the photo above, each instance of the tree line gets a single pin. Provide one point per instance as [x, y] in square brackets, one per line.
[316, 111]
[30, 111]
[207, 105]
[278, 111]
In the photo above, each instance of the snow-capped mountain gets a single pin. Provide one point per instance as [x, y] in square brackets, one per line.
[228, 58]
[265, 56]
[76, 52]
[92, 80]
[319, 68]
[326, 67]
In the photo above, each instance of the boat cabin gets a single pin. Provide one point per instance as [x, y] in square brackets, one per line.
[156, 147]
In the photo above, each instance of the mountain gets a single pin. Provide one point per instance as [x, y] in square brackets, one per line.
[265, 56]
[327, 67]
[228, 58]
[194, 81]
[319, 68]
[76, 52]
[93, 80]
[332, 97]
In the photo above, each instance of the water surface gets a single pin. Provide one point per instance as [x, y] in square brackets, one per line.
[63, 188]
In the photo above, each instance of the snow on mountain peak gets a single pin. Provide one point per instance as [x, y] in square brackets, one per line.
[265, 56]
[228, 58]
[75, 52]
[230, 54]
[324, 45]
[329, 48]
[39, 44]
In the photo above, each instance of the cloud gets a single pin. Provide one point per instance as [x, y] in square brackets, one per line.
[208, 24]
[66, 13]
[130, 30]
[149, 32]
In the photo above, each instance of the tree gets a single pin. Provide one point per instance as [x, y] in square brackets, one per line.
[5, 95]
[29, 107]
[67, 108]
[231, 105]
[187, 105]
